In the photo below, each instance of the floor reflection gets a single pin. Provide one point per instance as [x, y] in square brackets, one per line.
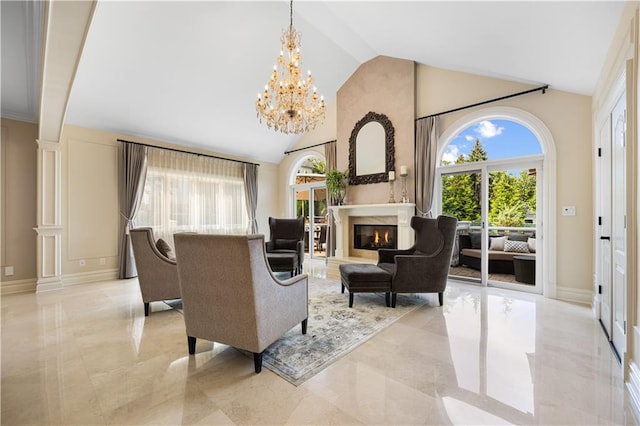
[87, 355]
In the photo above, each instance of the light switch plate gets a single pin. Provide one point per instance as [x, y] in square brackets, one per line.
[8, 271]
[568, 211]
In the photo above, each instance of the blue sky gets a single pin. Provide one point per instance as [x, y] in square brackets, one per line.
[499, 138]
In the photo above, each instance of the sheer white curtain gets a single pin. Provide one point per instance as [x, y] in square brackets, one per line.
[191, 193]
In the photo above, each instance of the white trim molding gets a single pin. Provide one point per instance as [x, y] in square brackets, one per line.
[577, 295]
[90, 277]
[18, 287]
[49, 229]
[633, 386]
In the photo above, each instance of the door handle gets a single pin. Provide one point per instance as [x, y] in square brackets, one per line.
[606, 238]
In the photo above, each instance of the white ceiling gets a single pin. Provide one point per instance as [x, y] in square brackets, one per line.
[189, 72]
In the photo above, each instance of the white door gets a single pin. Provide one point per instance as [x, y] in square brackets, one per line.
[604, 222]
[618, 225]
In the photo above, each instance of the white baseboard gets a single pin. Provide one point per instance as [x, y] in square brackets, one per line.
[89, 277]
[633, 386]
[574, 295]
[18, 286]
[32, 286]
[595, 305]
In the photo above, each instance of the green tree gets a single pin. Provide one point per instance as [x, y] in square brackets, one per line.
[511, 196]
[477, 154]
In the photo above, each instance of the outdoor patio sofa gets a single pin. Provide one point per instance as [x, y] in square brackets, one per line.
[500, 253]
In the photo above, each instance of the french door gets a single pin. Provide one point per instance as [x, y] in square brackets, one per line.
[611, 230]
[619, 225]
[495, 201]
[310, 202]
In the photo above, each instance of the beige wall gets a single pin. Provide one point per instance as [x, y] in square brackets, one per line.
[90, 199]
[386, 86]
[19, 154]
[568, 118]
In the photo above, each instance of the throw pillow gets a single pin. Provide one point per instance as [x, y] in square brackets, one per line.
[165, 249]
[497, 243]
[532, 245]
[518, 237]
[516, 246]
[476, 240]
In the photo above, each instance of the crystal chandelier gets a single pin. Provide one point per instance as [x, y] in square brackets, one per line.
[290, 103]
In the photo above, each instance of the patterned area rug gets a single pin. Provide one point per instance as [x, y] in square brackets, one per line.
[333, 329]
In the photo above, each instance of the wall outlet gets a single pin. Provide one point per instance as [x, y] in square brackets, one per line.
[8, 271]
[568, 211]
[103, 261]
[82, 262]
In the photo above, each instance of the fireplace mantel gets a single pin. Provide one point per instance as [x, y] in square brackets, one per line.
[402, 212]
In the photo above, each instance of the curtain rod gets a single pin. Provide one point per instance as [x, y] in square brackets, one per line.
[188, 152]
[513, 95]
[307, 147]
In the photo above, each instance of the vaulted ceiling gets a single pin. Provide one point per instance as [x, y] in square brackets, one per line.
[189, 72]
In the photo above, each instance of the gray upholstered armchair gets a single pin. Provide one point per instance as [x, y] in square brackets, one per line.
[423, 268]
[286, 238]
[157, 274]
[230, 296]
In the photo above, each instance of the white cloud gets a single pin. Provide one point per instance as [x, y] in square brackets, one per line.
[451, 154]
[469, 138]
[487, 129]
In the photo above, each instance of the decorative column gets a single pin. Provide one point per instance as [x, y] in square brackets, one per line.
[49, 220]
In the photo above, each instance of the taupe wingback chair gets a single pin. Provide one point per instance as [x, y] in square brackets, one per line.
[286, 239]
[230, 296]
[423, 268]
[157, 274]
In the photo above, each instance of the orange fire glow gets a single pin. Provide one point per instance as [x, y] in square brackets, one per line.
[376, 237]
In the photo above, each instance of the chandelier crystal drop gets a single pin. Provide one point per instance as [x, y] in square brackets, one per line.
[290, 103]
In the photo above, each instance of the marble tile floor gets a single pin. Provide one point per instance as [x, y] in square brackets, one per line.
[87, 355]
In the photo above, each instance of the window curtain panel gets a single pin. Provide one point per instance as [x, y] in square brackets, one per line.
[331, 157]
[427, 133]
[251, 195]
[133, 170]
[192, 193]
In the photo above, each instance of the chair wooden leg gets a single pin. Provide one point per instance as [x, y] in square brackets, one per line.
[146, 309]
[191, 341]
[342, 289]
[351, 299]
[441, 298]
[393, 299]
[257, 361]
[387, 299]
[304, 326]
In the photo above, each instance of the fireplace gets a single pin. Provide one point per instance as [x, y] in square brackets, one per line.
[374, 237]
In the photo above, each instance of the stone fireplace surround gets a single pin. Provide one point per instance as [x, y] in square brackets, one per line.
[384, 214]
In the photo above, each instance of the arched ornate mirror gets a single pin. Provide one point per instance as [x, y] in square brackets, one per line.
[371, 150]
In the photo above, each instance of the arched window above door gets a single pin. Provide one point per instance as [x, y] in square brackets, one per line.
[311, 169]
[490, 139]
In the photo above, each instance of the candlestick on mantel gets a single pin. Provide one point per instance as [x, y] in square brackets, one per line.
[403, 177]
[392, 175]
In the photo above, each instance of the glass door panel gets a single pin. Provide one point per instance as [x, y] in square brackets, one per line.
[303, 204]
[462, 199]
[512, 226]
[311, 204]
[319, 220]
